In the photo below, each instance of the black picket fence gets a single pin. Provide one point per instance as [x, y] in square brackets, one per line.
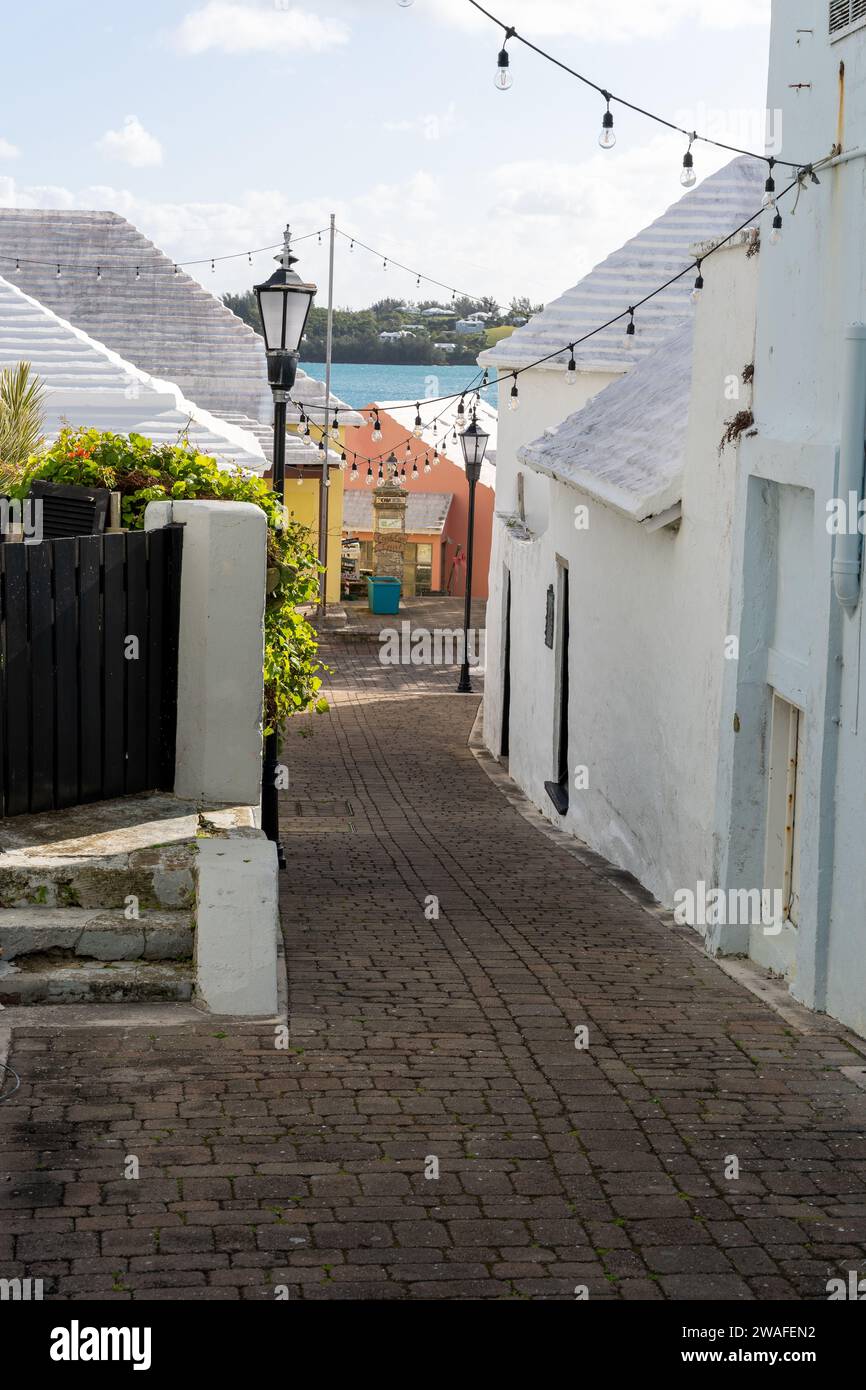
[88, 668]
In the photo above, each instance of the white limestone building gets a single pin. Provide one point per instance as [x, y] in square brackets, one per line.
[164, 322]
[87, 384]
[679, 654]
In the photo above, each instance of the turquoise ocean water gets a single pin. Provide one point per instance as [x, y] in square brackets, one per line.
[358, 383]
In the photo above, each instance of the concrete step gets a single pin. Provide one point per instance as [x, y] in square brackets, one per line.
[101, 855]
[95, 934]
[45, 980]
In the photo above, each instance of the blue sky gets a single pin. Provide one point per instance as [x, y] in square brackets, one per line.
[210, 123]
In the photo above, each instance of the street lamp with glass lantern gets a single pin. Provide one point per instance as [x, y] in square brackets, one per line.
[473, 442]
[284, 306]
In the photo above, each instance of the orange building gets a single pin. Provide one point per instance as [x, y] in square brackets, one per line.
[438, 509]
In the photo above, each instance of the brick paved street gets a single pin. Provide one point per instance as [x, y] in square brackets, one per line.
[417, 1041]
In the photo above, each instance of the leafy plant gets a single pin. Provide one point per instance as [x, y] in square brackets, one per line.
[143, 472]
[21, 421]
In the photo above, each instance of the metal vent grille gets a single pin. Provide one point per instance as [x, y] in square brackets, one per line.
[845, 13]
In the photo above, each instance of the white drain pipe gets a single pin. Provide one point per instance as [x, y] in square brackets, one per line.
[846, 552]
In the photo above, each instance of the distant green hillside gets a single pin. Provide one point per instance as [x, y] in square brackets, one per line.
[357, 331]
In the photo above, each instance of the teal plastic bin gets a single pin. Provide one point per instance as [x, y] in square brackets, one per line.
[383, 594]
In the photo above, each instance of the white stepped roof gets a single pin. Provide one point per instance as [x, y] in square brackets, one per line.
[165, 323]
[88, 384]
[626, 447]
[718, 205]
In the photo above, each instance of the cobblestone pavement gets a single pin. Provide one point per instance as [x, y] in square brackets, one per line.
[450, 1042]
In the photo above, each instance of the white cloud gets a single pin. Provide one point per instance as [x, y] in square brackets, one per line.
[8, 150]
[627, 20]
[232, 27]
[132, 144]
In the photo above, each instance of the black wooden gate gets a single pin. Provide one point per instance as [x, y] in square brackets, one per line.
[88, 668]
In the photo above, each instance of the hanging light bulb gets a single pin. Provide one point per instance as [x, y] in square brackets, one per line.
[58, 272]
[426, 463]
[607, 138]
[353, 475]
[17, 263]
[137, 273]
[377, 428]
[699, 285]
[514, 402]
[769, 199]
[435, 457]
[688, 177]
[98, 274]
[250, 257]
[630, 329]
[352, 244]
[335, 424]
[776, 233]
[571, 369]
[384, 265]
[175, 270]
[369, 478]
[414, 468]
[503, 79]
[343, 461]
[419, 428]
[461, 415]
[300, 478]
[212, 268]
[380, 476]
[403, 473]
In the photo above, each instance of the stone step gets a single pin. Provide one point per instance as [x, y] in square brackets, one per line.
[44, 980]
[95, 934]
[157, 878]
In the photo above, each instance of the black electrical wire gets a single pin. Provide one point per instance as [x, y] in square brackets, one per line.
[691, 135]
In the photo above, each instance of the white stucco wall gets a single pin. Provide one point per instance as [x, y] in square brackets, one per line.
[219, 699]
[797, 640]
[648, 620]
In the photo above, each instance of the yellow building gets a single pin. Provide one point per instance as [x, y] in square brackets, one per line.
[302, 492]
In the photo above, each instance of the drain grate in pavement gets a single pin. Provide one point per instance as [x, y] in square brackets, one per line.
[317, 817]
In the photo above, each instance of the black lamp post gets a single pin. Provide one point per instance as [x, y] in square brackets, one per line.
[473, 441]
[284, 304]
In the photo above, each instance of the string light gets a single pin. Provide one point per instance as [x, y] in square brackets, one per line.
[688, 178]
[770, 186]
[418, 429]
[461, 415]
[426, 463]
[414, 468]
[630, 328]
[699, 285]
[377, 428]
[607, 138]
[776, 233]
[503, 79]
[514, 401]
[137, 273]
[639, 110]
[353, 475]
[58, 272]
[571, 370]
[98, 274]
[369, 478]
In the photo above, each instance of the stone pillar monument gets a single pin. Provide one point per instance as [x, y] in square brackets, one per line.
[389, 529]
